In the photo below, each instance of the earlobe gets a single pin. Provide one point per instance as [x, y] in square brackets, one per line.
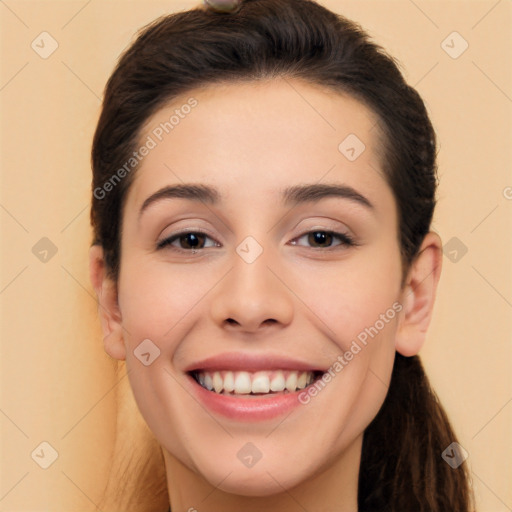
[418, 296]
[108, 307]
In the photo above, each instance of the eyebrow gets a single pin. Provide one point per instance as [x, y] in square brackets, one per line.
[296, 195]
[200, 193]
[305, 193]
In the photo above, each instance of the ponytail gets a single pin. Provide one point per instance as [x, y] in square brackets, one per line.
[401, 465]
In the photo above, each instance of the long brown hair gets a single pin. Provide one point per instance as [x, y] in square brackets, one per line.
[401, 468]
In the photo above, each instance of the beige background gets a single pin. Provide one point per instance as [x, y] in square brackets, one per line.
[56, 383]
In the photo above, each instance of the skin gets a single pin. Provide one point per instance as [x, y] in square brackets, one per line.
[250, 141]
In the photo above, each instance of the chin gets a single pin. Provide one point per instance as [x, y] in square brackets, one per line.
[253, 482]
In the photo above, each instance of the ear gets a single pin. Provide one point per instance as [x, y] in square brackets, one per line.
[418, 296]
[108, 307]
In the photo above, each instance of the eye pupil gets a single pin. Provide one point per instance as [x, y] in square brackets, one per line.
[192, 241]
[320, 238]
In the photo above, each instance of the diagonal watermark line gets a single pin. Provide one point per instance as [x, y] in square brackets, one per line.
[14, 76]
[13, 13]
[279, 424]
[413, 290]
[14, 423]
[485, 15]
[79, 283]
[491, 80]
[376, 123]
[14, 485]
[378, 378]
[216, 487]
[494, 288]
[508, 508]
[301, 300]
[295, 206]
[427, 73]
[82, 418]
[14, 218]
[76, 14]
[81, 80]
[199, 403]
[287, 492]
[203, 202]
[90, 295]
[303, 97]
[14, 279]
[484, 218]
[74, 218]
[492, 418]
[377, 171]
[424, 14]
[198, 301]
[85, 494]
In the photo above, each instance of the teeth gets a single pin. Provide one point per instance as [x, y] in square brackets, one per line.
[218, 383]
[208, 381]
[262, 382]
[278, 383]
[291, 381]
[229, 382]
[301, 381]
[243, 383]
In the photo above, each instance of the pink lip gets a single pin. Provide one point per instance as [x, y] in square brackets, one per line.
[251, 363]
[247, 409]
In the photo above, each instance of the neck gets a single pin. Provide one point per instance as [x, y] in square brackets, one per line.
[331, 488]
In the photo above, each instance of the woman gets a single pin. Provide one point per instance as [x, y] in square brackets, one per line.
[264, 183]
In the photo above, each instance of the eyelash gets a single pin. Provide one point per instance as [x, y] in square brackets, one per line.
[343, 238]
[167, 242]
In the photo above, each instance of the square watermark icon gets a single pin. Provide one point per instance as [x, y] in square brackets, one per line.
[455, 249]
[454, 45]
[454, 455]
[146, 352]
[44, 455]
[249, 249]
[44, 45]
[249, 455]
[351, 147]
[44, 250]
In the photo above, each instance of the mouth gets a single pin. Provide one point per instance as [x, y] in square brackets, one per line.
[245, 384]
[244, 387]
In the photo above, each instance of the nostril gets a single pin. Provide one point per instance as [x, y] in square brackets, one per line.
[268, 321]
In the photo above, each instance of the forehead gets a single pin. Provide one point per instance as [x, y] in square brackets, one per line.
[258, 138]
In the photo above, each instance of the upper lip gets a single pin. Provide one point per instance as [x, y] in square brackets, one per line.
[251, 362]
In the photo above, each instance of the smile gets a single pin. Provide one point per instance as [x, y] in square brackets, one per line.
[246, 387]
[254, 383]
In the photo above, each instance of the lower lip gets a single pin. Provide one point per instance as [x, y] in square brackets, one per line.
[247, 409]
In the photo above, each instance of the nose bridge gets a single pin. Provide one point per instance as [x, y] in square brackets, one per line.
[251, 296]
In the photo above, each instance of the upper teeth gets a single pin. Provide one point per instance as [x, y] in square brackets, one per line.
[244, 383]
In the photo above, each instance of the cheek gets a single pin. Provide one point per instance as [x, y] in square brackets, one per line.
[157, 299]
[356, 300]
[359, 309]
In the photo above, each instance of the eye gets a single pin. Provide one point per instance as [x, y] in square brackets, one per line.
[190, 240]
[323, 239]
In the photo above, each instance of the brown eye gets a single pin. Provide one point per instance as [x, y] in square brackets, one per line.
[188, 241]
[192, 241]
[323, 240]
[320, 239]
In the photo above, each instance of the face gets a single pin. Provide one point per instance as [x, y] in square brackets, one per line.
[259, 287]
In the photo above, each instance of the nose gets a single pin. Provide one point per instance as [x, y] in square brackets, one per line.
[251, 298]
